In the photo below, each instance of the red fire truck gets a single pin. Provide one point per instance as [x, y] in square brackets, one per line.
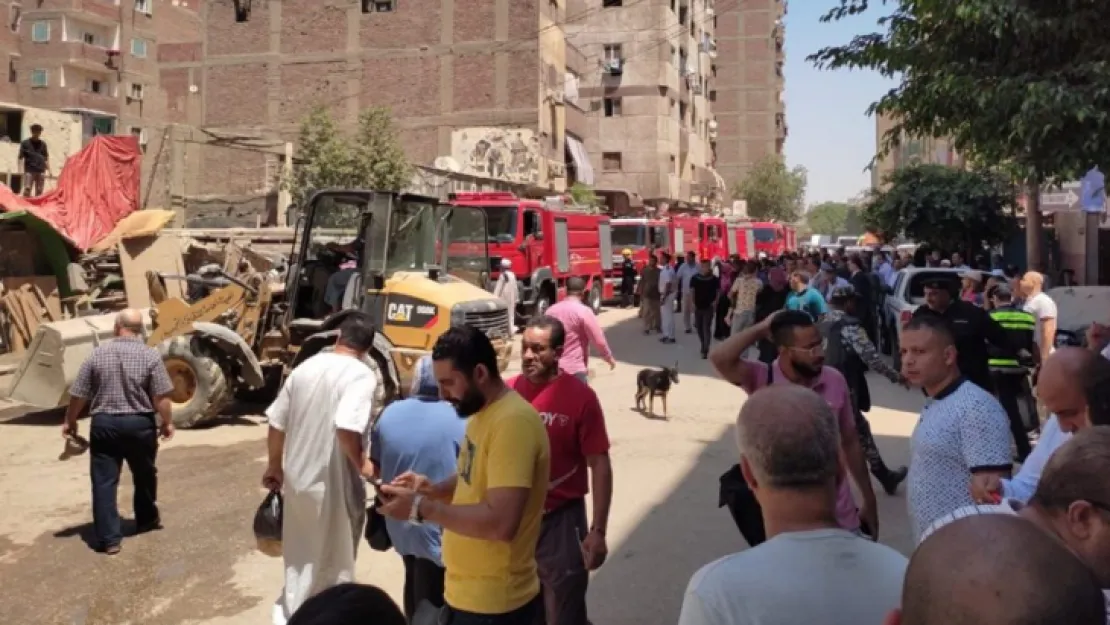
[771, 238]
[547, 242]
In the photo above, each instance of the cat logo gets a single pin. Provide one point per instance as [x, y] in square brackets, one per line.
[401, 313]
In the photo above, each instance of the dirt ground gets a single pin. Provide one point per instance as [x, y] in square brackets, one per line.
[203, 568]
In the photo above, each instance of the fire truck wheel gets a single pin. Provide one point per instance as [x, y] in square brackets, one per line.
[595, 297]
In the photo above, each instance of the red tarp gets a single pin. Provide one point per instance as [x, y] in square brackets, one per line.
[98, 187]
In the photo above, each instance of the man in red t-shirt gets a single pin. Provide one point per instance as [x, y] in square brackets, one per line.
[567, 551]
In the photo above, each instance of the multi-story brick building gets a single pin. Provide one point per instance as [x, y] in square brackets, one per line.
[475, 86]
[909, 151]
[647, 88]
[749, 84]
[96, 58]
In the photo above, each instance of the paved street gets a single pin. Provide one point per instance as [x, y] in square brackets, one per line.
[202, 568]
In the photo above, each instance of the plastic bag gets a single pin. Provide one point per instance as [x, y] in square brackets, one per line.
[267, 524]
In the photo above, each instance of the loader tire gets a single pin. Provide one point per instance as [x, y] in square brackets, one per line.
[200, 386]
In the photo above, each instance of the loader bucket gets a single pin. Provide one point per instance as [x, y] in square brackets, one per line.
[55, 355]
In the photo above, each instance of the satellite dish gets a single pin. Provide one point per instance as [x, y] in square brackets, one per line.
[447, 163]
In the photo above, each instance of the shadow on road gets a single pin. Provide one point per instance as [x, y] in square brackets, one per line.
[650, 569]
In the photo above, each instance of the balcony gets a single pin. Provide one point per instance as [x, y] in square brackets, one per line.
[684, 139]
[76, 100]
[89, 57]
[781, 129]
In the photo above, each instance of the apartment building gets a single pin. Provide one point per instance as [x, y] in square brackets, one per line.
[650, 118]
[749, 85]
[97, 59]
[909, 151]
[477, 86]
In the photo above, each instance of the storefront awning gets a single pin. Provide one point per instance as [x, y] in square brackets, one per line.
[584, 171]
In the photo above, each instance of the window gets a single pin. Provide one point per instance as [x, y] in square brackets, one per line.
[138, 48]
[13, 75]
[612, 52]
[612, 3]
[136, 92]
[40, 32]
[15, 17]
[88, 38]
[95, 86]
[612, 107]
[611, 161]
[40, 78]
[103, 126]
[713, 95]
[144, 6]
[682, 113]
[378, 6]
[674, 163]
[682, 15]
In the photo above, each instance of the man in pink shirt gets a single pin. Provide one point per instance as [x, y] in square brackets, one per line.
[582, 329]
[801, 361]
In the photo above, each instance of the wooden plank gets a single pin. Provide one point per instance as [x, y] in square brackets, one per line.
[161, 253]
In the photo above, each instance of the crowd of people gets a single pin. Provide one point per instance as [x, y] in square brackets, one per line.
[480, 483]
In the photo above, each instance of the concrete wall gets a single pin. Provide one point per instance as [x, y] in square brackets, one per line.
[61, 131]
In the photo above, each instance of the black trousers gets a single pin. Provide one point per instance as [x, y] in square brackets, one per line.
[524, 615]
[703, 321]
[721, 329]
[423, 582]
[1011, 389]
[113, 440]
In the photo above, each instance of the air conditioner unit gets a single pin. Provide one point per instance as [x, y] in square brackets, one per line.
[710, 12]
[614, 66]
[712, 125]
[142, 138]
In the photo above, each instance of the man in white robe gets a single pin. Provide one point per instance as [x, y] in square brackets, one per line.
[318, 447]
[506, 289]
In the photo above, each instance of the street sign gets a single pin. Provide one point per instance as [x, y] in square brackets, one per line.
[1063, 198]
[1093, 192]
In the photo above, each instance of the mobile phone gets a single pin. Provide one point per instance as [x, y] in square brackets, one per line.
[376, 482]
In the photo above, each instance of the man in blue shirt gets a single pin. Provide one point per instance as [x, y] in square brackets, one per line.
[804, 297]
[421, 434]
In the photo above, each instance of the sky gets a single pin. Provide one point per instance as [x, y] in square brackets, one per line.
[830, 132]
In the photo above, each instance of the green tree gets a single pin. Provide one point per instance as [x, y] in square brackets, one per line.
[952, 209]
[323, 158]
[326, 159]
[583, 194]
[1022, 85]
[830, 218]
[379, 158]
[772, 190]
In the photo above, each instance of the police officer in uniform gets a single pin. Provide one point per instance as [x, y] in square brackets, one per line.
[1010, 366]
[971, 326]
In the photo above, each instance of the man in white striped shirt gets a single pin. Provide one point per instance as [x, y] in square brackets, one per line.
[1072, 502]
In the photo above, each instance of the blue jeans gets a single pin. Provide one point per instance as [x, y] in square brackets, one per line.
[113, 440]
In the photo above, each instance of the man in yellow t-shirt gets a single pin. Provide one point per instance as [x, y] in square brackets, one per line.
[492, 523]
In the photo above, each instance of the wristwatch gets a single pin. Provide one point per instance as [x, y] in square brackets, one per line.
[414, 513]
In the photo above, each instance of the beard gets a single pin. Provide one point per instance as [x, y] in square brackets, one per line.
[540, 371]
[471, 402]
[808, 370]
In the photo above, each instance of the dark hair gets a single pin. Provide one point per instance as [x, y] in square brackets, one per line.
[784, 324]
[36, 128]
[558, 331]
[349, 604]
[576, 286]
[1096, 386]
[467, 347]
[357, 332]
[937, 325]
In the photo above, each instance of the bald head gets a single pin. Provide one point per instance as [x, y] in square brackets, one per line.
[1060, 385]
[129, 322]
[1031, 283]
[996, 569]
[789, 437]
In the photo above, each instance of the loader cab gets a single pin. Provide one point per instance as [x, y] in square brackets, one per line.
[392, 236]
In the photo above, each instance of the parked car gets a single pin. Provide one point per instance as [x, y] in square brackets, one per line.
[1078, 307]
[901, 300]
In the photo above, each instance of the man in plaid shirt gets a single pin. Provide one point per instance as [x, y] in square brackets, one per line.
[123, 383]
